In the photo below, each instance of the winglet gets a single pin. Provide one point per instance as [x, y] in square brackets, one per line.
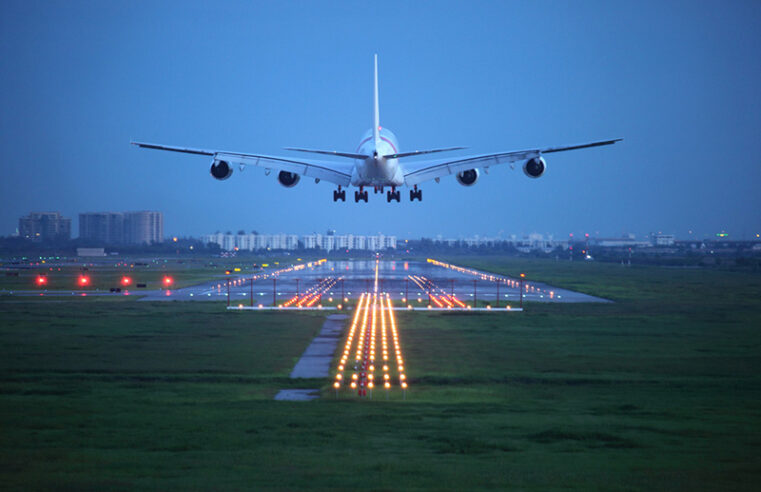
[376, 115]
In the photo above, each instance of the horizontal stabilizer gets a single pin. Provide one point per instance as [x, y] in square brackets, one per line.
[420, 152]
[330, 152]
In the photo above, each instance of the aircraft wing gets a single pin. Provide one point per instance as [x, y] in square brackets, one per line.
[333, 172]
[418, 172]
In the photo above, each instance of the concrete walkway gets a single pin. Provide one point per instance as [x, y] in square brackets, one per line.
[315, 361]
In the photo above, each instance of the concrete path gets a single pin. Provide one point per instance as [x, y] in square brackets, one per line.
[315, 362]
[297, 395]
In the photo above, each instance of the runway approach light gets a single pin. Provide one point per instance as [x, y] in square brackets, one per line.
[42, 280]
[167, 281]
[126, 281]
[84, 280]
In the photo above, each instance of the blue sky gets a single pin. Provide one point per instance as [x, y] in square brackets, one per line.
[678, 80]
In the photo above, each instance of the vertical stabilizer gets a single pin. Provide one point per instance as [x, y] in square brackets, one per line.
[376, 115]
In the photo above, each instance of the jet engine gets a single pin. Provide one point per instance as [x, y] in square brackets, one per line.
[289, 180]
[221, 170]
[467, 177]
[534, 168]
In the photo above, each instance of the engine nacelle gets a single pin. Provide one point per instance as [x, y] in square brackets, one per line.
[467, 177]
[221, 170]
[289, 180]
[534, 168]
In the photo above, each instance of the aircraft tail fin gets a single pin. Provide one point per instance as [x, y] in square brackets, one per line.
[376, 116]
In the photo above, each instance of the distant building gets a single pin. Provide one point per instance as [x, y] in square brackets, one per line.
[122, 227]
[143, 227]
[663, 239]
[91, 252]
[328, 242]
[42, 226]
[619, 242]
[103, 227]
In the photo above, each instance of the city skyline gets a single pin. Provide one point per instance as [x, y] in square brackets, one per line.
[501, 234]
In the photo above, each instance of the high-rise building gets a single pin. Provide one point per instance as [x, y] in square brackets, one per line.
[143, 227]
[102, 227]
[122, 227]
[40, 226]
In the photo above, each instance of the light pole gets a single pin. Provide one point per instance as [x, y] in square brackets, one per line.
[523, 276]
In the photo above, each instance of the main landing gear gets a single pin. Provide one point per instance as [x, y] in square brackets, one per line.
[360, 195]
[339, 195]
[415, 193]
[393, 195]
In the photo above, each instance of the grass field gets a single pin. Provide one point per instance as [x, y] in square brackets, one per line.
[104, 273]
[657, 391]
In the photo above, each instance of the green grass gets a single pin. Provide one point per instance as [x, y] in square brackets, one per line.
[657, 391]
[105, 273]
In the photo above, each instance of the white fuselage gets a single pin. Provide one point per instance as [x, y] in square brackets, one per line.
[377, 170]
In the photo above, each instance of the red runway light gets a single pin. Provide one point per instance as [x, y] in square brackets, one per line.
[42, 280]
[167, 280]
[126, 280]
[84, 280]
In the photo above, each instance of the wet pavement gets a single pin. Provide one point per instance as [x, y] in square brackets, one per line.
[401, 279]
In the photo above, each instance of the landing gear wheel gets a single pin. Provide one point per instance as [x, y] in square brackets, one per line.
[360, 195]
[393, 195]
[416, 194]
[339, 195]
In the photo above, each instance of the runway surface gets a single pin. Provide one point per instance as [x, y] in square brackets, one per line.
[412, 280]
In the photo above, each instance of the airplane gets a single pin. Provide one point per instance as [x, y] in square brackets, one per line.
[377, 162]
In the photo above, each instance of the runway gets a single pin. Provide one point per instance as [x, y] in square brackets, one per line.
[415, 283]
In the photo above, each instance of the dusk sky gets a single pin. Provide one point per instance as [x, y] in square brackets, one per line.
[679, 81]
